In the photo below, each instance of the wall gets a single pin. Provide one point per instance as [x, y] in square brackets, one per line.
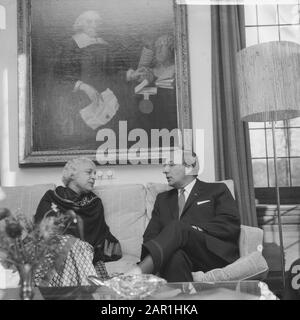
[200, 70]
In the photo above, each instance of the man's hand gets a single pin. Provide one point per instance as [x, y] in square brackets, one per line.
[145, 73]
[140, 74]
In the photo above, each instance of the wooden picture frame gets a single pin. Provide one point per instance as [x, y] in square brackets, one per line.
[51, 126]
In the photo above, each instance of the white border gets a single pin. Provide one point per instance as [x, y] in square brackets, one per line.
[235, 2]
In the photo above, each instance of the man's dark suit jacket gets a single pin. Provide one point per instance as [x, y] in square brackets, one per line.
[218, 217]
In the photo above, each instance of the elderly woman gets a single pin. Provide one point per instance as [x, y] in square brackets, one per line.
[88, 243]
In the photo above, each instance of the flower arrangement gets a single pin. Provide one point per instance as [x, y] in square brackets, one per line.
[26, 242]
[30, 247]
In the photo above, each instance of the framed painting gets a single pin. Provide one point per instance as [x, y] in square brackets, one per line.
[105, 79]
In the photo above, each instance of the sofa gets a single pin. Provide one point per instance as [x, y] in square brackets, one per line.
[128, 210]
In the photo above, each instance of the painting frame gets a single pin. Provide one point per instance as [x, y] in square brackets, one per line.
[28, 157]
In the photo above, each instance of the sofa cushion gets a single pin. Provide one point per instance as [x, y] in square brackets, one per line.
[252, 266]
[125, 214]
[123, 265]
[25, 198]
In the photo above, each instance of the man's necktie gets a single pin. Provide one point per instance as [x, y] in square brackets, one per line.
[181, 201]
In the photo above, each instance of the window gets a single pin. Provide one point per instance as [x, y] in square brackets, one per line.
[275, 23]
[2, 18]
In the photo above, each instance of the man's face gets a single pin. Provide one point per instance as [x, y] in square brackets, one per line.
[91, 25]
[84, 178]
[175, 174]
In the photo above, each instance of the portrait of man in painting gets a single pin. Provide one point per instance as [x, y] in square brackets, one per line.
[96, 63]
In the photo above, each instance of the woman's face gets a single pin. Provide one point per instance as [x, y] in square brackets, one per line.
[91, 25]
[84, 178]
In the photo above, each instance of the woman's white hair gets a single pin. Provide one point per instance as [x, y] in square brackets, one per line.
[71, 168]
[81, 19]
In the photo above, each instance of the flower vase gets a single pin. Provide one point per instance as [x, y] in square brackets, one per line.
[26, 289]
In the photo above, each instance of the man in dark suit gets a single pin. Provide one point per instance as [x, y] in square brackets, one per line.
[194, 227]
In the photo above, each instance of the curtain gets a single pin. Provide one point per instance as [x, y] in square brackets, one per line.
[231, 135]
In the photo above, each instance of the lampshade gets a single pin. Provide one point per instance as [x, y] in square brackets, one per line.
[268, 79]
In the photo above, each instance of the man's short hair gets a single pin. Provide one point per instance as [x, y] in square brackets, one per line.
[188, 158]
[71, 167]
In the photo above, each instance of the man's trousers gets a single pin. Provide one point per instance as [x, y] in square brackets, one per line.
[179, 250]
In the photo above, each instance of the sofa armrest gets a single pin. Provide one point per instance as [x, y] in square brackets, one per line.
[250, 267]
[251, 239]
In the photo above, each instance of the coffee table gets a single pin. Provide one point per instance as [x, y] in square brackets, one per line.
[227, 290]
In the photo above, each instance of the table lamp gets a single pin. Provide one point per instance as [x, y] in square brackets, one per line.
[268, 80]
